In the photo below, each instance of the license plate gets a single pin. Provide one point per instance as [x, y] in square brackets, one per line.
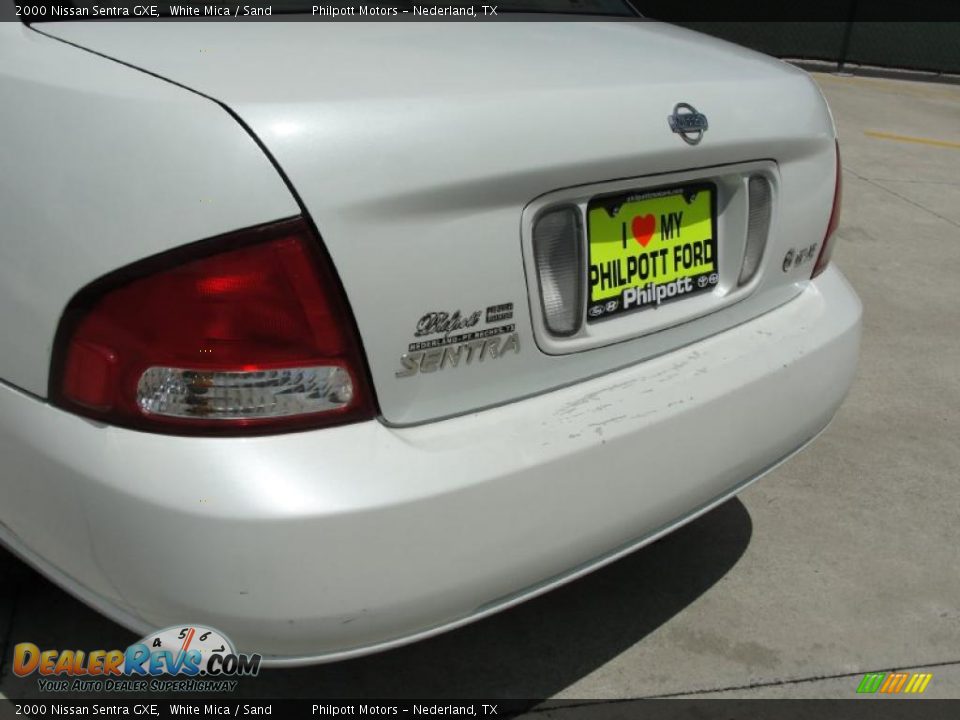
[650, 248]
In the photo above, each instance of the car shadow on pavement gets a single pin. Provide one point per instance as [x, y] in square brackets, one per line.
[531, 651]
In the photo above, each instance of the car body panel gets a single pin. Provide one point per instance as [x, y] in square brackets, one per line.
[302, 548]
[420, 152]
[416, 147]
[102, 166]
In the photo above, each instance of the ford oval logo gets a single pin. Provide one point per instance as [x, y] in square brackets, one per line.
[688, 123]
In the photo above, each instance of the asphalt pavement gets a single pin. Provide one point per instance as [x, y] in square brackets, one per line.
[842, 561]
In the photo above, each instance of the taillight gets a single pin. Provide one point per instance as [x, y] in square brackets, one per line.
[248, 332]
[826, 248]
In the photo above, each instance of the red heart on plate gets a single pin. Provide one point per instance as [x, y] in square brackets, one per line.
[643, 228]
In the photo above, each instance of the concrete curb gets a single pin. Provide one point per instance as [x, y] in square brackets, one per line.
[874, 71]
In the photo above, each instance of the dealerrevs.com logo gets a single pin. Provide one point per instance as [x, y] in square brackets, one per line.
[182, 658]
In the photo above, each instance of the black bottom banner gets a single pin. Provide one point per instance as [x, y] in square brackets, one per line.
[680, 709]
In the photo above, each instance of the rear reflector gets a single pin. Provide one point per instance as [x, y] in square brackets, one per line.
[758, 226]
[243, 333]
[558, 249]
[826, 248]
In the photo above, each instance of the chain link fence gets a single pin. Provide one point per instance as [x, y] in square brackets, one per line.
[847, 33]
[927, 46]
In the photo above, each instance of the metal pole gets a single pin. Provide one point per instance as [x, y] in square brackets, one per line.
[847, 32]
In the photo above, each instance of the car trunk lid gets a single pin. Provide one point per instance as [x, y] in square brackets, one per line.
[422, 151]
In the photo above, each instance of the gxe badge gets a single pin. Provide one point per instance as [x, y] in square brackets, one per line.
[688, 123]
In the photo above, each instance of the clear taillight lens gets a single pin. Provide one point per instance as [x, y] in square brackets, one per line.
[243, 395]
[558, 251]
[759, 201]
[243, 333]
[826, 249]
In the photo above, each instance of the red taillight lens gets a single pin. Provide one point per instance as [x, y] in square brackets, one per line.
[826, 249]
[242, 333]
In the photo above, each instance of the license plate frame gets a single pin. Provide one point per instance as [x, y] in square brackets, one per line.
[631, 251]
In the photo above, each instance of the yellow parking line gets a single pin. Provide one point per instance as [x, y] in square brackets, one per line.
[910, 87]
[909, 139]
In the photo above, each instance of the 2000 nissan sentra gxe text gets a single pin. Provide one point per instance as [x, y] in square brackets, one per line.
[335, 336]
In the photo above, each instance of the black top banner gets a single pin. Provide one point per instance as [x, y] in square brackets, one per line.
[800, 11]
[680, 11]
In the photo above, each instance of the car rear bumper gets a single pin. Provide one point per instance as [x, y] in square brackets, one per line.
[328, 544]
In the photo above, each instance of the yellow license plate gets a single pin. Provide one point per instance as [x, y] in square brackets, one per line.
[649, 248]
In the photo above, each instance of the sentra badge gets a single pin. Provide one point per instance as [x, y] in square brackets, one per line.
[457, 338]
[450, 356]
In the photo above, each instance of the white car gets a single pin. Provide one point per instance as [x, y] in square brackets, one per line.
[335, 336]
